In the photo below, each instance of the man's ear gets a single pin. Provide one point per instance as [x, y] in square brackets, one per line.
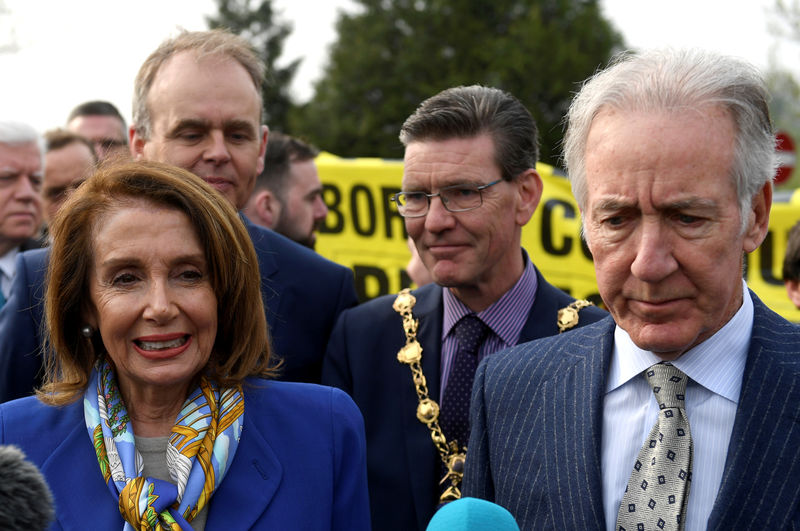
[262, 150]
[758, 222]
[529, 193]
[136, 143]
[793, 291]
[267, 208]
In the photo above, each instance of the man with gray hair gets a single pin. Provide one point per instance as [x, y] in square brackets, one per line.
[469, 186]
[21, 170]
[679, 410]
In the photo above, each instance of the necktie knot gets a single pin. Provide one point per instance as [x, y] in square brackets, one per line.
[470, 332]
[668, 384]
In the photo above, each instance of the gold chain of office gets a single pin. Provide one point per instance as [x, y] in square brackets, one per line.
[451, 454]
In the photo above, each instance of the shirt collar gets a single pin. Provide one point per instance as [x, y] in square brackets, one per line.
[8, 263]
[717, 363]
[517, 302]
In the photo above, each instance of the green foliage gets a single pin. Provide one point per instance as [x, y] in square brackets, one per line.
[264, 29]
[393, 54]
[787, 21]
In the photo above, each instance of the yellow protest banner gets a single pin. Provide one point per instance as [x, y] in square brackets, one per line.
[363, 231]
[764, 267]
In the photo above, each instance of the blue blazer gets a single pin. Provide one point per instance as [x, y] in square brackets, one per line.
[303, 295]
[402, 463]
[300, 463]
[536, 432]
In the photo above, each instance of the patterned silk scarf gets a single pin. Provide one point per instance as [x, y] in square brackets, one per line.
[200, 450]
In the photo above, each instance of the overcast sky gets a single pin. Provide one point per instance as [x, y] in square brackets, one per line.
[67, 52]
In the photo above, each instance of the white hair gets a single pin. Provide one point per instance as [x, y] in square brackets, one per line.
[18, 133]
[666, 79]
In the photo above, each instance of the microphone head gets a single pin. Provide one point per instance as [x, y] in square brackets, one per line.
[472, 514]
[25, 498]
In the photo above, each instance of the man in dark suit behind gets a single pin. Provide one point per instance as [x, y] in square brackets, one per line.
[197, 105]
[670, 155]
[469, 185]
[21, 174]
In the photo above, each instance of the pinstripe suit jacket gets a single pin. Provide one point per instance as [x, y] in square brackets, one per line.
[536, 431]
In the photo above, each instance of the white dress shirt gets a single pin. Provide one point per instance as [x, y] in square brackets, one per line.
[715, 369]
[8, 267]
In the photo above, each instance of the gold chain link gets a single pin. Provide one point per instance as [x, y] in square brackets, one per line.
[428, 410]
[568, 315]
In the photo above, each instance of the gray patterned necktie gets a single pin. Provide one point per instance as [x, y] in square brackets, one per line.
[658, 488]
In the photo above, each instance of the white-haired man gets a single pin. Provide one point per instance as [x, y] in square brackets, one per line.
[21, 173]
[679, 410]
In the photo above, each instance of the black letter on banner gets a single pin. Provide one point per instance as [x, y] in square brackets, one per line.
[765, 258]
[390, 212]
[594, 298]
[547, 227]
[405, 280]
[362, 273]
[357, 190]
[333, 200]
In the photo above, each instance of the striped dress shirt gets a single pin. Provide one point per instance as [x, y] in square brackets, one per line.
[715, 369]
[505, 319]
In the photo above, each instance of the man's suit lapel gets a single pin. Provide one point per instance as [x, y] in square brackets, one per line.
[255, 475]
[267, 262]
[423, 461]
[271, 286]
[572, 429]
[32, 273]
[542, 319]
[762, 452]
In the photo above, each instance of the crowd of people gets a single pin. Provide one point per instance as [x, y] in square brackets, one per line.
[175, 355]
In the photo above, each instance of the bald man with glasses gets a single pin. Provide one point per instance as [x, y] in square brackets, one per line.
[469, 186]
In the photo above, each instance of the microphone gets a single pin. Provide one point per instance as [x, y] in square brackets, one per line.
[25, 498]
[472, 514]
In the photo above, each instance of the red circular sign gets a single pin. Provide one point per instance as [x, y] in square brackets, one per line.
[784, 149]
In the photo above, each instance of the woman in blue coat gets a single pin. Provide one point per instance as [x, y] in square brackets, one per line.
[156, 412]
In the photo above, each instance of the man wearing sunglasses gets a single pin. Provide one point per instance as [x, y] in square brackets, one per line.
[469, 186]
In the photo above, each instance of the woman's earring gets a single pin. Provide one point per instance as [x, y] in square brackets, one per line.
[87, 331]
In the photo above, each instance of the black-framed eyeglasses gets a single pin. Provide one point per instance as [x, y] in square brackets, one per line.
[456, 198]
